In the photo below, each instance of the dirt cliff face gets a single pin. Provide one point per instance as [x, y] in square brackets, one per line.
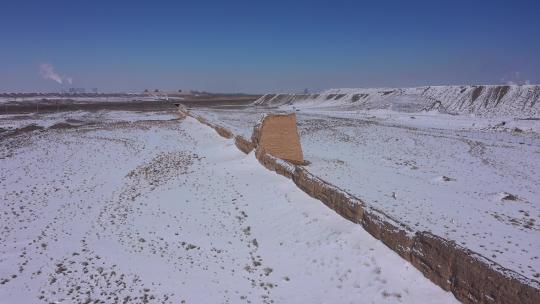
[472, 278]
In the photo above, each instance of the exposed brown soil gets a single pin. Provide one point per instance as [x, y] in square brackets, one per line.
[63, 125]
[330, 96]
[476, 93]
[501, 92]
[51, 106]
[243, 144]
[15, 132]
[384, 93]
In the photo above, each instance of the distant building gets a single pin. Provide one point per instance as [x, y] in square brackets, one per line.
[77, 90]
[94, 90]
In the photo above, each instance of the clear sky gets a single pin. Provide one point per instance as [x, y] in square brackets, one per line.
[262, 46]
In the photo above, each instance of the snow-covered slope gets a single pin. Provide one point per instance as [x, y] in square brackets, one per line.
[487, 100]
[166, 211]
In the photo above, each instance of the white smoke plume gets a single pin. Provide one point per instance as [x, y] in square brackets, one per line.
[47, 71]
[515, 78]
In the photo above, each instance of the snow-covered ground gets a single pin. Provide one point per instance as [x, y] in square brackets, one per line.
[146, 210]
[475, 180]
[479, 188]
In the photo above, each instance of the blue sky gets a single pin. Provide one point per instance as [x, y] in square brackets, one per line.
[261, 46]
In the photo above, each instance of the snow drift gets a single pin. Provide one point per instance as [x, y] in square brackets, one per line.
[486, 100]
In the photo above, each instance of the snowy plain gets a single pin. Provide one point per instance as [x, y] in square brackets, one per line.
[473, 179]
[151, 208]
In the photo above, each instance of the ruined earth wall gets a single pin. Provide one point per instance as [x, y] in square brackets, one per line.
[278, 136]
[243, 144]
[471, 277]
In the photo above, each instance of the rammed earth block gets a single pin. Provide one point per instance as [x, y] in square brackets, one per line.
[277, 135]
